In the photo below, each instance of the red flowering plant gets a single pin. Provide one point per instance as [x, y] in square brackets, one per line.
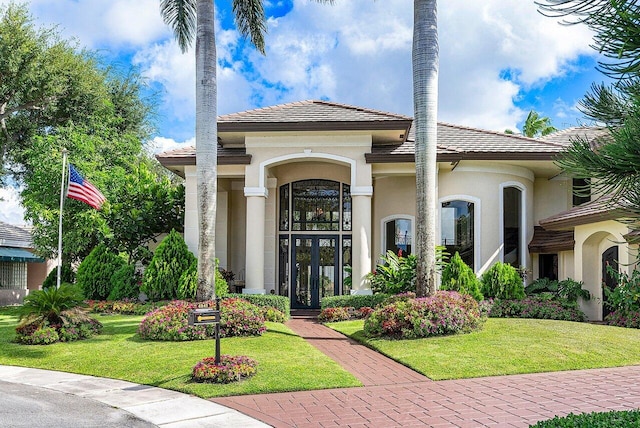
[230, 369]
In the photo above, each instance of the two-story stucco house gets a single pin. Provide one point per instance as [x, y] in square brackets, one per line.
[308, 188]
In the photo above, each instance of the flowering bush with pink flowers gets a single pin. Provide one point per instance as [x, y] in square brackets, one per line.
[237, 318]
[629, 319]
[230, 369]
[334, 314]
[446, 312]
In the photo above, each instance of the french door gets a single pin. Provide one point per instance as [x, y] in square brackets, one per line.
[314, 269]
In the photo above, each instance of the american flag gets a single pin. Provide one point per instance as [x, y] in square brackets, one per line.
[82, 190]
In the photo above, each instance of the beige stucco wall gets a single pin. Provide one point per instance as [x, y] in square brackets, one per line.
[392, 196]
[551, 197]
[482, 183]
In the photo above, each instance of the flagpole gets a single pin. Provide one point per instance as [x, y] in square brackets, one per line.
[64, 164]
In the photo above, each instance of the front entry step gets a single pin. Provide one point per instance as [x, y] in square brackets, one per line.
[305, 313]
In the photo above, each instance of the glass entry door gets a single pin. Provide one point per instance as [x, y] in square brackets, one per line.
[314, 270]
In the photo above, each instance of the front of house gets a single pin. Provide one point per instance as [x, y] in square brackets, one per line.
[310, 194]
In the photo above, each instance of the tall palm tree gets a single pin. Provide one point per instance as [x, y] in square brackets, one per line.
[536, 125]
[425, 62]
[196, 17]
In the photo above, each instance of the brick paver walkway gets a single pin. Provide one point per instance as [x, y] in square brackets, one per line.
[395, 396]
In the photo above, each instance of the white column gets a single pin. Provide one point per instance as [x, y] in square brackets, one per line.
[254, 278]
[270, 236]
[361, 224]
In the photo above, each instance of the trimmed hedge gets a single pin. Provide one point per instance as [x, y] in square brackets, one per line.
[613, 419]
[538, 308]
[356, 301]
[281, 303]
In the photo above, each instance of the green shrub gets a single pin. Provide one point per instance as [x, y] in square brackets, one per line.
[625, 298]
[394, 275]
[567, 289]
[356, 301]
[95, 271]
[446, 312]
[237, 318]
[628, 319]
[272, 314]
[539, 307]
[613, 419]
[458, 276]
[188, 283]
[67, 275]
[73, 324]
[281, 303]
[49, 303]
[502, 281]
[125, 283]
[171, 259]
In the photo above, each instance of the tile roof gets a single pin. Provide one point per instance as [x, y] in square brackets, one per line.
[551, 241]
[566, 136]
[14, 236]
[309, 115]
[187, 156]
[600, 209]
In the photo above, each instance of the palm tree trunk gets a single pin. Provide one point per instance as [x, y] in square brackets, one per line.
[206, 147]
[425, 101]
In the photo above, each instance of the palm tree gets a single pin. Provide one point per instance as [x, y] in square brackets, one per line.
[536, 125]
[196, 17]
[425, 62]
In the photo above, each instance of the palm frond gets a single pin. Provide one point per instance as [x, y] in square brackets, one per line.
[181, 16]
[251, 21]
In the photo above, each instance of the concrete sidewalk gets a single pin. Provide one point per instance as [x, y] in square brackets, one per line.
[157, 406]
[394, 396]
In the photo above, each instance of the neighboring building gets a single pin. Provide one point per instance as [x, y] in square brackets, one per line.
[20, 270]
[308, 188]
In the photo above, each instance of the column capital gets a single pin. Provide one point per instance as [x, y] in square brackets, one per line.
[256, 191]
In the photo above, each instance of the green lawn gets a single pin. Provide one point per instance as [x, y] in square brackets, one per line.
[285, 361]
[510, 346]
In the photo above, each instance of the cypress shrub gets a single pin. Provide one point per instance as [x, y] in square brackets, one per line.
[67, 273]
[172, 258]
[124, 283]
[458, 276]
[502, 281]
[188, 285]
[95, 271]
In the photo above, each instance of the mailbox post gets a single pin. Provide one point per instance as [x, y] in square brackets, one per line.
[205, 316]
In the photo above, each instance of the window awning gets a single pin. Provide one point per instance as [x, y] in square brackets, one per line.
[551, 241]
[10, 254]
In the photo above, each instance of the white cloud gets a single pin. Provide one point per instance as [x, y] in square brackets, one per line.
[10, 209]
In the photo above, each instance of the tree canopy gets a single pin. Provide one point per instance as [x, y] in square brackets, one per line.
[611, 160]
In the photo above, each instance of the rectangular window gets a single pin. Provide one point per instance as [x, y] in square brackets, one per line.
[548, 266]
[284, 207]
[347, 281]
[581, 191]
[283, 267]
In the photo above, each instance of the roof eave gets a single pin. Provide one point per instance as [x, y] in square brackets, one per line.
[381, 125]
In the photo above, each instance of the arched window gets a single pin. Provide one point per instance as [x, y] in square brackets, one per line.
[397, 234]
[512, 224]
[457, 229]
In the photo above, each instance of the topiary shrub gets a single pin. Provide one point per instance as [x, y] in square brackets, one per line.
[446, 312]
[502, 281]
[67, 275]
[171, 259]
[356, 301]
[458, 276]
[95, 271]
[613, 419]
[237, 318]
[230, 369]
[125, 283]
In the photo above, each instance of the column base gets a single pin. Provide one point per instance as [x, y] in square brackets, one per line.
[254, 291]
[361, 292]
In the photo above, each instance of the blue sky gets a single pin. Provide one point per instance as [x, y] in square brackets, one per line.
[498, 60]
